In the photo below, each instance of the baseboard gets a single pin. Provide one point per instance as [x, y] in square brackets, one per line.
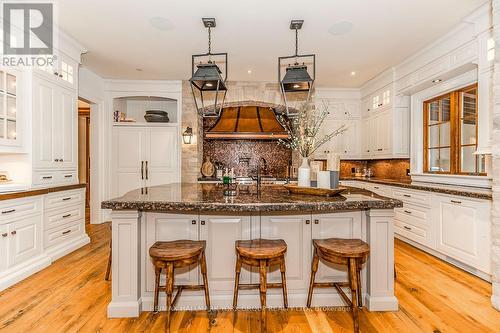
[495, 297]
[381, 303]
[22, 271]
[61, 250]
[469, 269]
[124, 309]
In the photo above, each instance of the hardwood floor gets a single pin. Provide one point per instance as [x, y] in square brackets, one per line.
[72, 296]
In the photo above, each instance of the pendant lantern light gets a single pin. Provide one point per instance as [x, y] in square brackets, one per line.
[296, 84]
[208, 85]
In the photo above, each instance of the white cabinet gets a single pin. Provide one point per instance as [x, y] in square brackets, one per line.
[24, 239]
[62, 70]
[338, 225]
[54, 132]
[347, 145]
[11, 111]
[4, 247]
[144, 156]
[295, 230]
[463, 229]
[221, 233]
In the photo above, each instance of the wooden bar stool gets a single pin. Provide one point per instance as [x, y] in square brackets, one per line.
[350, 252]
[176, 254]
[261, 253]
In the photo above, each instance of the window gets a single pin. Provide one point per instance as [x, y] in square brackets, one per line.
[450, 134]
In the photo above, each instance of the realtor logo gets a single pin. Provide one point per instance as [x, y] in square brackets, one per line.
[28, 28]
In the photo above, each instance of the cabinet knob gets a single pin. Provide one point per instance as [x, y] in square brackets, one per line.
[4, 235]
[56, 73]
[193, 222]
[202, 222]
[308, 221]
[61, 160]
[60, 75]
[316, 221]
[13, 233]
[56, 160]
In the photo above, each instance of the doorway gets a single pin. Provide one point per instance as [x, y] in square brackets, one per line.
[84, 151]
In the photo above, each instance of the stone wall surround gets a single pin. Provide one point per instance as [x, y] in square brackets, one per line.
[495, 213]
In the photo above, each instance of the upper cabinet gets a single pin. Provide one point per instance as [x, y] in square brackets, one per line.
[62, 70]
[11, 121]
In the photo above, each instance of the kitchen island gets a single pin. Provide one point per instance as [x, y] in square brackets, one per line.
[203, 212]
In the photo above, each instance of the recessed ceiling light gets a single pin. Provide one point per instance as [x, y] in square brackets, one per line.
[161, 23]
[249, 71]
[353, 73]
[340, 28]
[437, 80]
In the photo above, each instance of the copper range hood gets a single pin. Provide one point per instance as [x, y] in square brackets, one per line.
[247, 122]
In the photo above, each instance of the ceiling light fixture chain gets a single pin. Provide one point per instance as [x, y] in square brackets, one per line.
[296, 44]
[209, 44]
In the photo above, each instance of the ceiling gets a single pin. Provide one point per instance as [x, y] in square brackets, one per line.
[368, 36]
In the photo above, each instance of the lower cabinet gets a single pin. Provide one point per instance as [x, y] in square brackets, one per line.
[34, 231]
[463, 229]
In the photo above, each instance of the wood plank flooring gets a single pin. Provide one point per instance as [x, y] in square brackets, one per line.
[72, 296]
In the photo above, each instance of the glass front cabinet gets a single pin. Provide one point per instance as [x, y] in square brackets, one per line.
[10, 115]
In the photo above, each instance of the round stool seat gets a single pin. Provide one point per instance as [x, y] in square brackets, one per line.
[176, 250]
[339, 247]
[261, 248]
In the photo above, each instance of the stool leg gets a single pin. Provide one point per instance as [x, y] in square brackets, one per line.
[236, 281]
[263, 290]
[360, 294]
[353, 279]
[169, 290]
[205, 279]
[157, 288]
[108, 268]
[283, 282]
[314, 269]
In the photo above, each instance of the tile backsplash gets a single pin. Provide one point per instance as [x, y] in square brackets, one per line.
[389, 169]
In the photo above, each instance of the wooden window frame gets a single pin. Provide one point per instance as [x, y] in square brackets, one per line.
[455, 132]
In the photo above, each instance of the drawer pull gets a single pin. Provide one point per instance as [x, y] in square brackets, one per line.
[308, 221]
[407, 228]
[407, 195]
[13, 233]
[407, 212]
[376, 187]
[47, 177]
[4, 235]
[68, 176]
[202, 222]
[456, 202]
[380, 149]
[193, 222]
[66, 216]
[66, 232]
[66, 199]
[8, 211]
[316, 221]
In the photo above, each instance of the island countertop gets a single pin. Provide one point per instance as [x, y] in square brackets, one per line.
[209, 197]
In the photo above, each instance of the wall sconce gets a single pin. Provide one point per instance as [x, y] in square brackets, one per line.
[187, 136]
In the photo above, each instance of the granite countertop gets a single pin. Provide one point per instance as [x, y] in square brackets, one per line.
[39, 191]
[471, 192]
[209, 197]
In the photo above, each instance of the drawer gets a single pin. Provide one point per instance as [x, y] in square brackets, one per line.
[11, 209]
[419, 215]
[64, 199]
[62, 234]
[67, 177]
[416, 234]
[57, 218]
[412, 196]
[45, 177]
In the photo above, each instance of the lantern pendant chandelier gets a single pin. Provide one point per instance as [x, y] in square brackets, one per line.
[296, 85]
[207, 84]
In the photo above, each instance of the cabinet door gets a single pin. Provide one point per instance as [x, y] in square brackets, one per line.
[221, 233]
[66, 100]
[169, 227]
[295, 230]
[162, 151]
[44, 143]
[11, 110]
[4, 247]
[338, 225]
[463, 230]
[384, 131]
[24, 239]
[129, 158]
[350, 140]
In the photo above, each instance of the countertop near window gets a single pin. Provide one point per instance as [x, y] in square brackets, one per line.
[38, 191]
[465, 191]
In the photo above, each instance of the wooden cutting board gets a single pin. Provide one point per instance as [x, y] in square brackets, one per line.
[207, 168]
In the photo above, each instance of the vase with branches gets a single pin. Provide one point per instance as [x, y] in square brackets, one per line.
[304, 134]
